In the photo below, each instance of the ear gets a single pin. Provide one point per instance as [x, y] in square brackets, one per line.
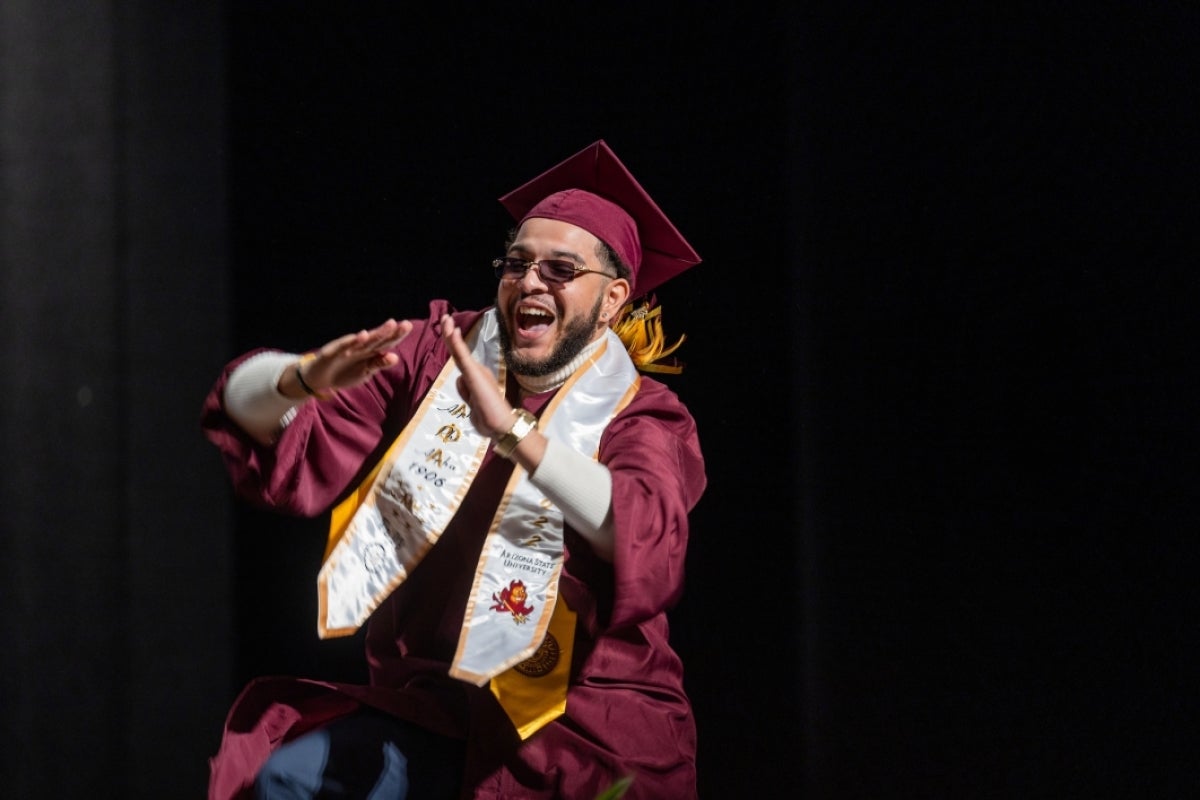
[616, 293]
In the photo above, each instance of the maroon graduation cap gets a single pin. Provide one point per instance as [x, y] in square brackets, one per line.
[594, 190]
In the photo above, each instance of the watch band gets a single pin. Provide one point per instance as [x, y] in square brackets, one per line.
[522, 425]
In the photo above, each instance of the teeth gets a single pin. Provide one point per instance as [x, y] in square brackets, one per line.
[535, 312]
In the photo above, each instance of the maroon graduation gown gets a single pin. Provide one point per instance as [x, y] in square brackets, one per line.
[627, 712]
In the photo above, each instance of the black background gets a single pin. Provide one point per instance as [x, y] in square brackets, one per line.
[939, 350]
[936, 349]
[367, 159]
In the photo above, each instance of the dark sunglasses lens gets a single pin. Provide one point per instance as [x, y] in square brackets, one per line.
[557, 271]
[510, 267]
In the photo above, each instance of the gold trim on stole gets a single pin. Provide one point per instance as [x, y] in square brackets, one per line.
[534, 692]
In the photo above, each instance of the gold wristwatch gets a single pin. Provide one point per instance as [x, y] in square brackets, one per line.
[524, 423]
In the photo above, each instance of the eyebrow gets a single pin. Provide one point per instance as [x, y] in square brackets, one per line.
[566, 254]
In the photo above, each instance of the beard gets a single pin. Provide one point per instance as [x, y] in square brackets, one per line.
[575, 336]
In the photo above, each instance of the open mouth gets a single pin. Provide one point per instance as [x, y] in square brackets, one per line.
[532, 320]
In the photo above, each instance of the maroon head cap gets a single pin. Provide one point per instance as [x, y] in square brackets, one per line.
[594, 190]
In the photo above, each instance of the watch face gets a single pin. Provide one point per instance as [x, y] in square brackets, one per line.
[525, 422]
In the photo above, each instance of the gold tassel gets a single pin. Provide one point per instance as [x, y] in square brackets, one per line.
[641, 330]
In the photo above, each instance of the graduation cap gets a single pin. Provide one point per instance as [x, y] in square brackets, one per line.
[594, 190]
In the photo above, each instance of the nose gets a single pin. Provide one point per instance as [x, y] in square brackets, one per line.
[532, 279]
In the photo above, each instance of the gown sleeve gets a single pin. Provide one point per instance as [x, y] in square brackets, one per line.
[328, 445]
[653, 453]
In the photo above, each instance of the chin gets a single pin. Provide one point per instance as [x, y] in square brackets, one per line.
[523, 362]
[551, 352]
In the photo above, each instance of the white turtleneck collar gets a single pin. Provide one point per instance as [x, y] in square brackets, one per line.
[545, 383]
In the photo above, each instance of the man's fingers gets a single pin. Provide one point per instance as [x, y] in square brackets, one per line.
[402, 329]
[474, 373]
[464, 388]
[368, 344]
[350, 359]
[339, 345]
[387, 334]
[454, 340]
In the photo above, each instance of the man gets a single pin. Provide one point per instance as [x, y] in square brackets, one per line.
[510, 523]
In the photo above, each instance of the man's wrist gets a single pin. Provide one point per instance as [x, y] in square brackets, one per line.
[304, 385]
[523, 424]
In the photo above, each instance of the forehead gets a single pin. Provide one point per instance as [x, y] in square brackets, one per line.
[548, 237]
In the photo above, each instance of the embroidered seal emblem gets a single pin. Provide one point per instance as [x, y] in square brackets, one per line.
[512, 601]
[543, 661]
[375, 559]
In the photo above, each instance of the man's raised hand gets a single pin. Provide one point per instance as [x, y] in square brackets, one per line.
[490, 412]
[347, 360]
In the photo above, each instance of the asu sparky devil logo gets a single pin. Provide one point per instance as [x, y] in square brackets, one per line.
[512, 601]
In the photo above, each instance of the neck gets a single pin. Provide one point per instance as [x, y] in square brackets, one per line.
[545, 383]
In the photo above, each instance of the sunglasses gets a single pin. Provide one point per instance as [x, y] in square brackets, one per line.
[555, 271]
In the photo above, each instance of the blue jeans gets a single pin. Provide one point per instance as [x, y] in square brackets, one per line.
[368, 755]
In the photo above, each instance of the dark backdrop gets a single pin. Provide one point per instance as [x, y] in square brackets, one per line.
[368, 156]
[938, 351]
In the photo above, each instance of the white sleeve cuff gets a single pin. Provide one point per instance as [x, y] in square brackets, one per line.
[582, 488]
[253, 399]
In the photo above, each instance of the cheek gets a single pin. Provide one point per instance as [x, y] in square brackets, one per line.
[506, 296]
[580, 305]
